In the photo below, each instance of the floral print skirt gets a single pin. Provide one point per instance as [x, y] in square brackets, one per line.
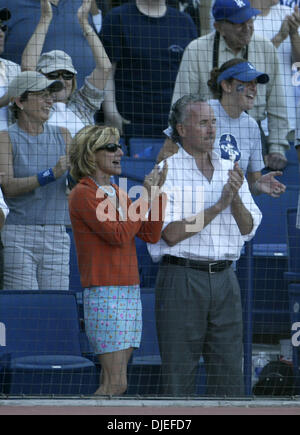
[113, 317]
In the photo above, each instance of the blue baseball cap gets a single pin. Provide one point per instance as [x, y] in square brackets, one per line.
[235, 11]
[245, 72]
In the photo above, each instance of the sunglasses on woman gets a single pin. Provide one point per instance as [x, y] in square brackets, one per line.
[3, 27]
[66, 75]
[110, 147]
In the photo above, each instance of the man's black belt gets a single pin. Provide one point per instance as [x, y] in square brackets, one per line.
[204, 266]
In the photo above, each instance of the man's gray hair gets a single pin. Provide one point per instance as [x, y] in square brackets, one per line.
[178, 112]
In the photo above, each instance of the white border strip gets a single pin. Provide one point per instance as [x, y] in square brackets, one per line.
[152, 403]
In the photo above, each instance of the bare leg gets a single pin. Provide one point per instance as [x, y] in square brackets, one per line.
[113, 380]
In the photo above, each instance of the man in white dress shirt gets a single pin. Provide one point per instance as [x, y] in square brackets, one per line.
[209, 215]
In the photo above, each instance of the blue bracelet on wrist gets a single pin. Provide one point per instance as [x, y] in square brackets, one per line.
[45, 177]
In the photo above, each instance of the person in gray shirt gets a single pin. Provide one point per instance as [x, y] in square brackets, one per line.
[34, 161]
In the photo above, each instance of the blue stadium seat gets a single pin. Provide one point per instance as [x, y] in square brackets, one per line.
[136, 169]
[145, 147]
[74, 279]
[42, 355]
[293, 280]
[273, 226]
[293, 245]
[149, 344]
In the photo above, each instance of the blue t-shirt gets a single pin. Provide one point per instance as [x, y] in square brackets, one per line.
[64, 33]
[147, 52]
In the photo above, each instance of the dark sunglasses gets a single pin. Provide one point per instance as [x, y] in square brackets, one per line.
[110, 147]
[66, 75]
[3, 27]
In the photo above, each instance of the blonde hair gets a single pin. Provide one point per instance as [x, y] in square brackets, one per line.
[83, 148]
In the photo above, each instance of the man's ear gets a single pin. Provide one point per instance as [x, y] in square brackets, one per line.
[180, 129]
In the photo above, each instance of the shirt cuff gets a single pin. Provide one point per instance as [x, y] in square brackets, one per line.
[276, 148]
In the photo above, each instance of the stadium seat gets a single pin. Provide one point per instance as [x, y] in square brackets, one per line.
[145, 147]
[293, 247]
[136, 169]
[42, 354]
[273, 226]
[293, 279]
[149, 343]
[74, 280]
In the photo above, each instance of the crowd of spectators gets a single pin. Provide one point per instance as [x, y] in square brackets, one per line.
[221, 76]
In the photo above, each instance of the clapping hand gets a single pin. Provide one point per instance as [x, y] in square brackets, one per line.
[275, 161]
[294, 20]
[233, 185]
[155, 180]
[270, 185]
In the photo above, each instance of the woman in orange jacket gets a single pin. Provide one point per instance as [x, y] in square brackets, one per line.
[105, 223]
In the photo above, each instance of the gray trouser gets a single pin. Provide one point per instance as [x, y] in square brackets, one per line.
[36, 257]
[198, 313]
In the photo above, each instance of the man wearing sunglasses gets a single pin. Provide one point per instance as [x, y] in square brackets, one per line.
[8, 70]
[74, 108]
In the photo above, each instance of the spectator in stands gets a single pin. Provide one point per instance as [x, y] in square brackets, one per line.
[234, 87]
[104, 226]
[8, 71]
[34, 162]
[73, 108]
[198, 306]
[280, 24]
[199, 10]
[145, 41]
[65, 32]
[234, 37]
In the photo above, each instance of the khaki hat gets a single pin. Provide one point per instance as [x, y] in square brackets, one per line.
[55, 60]
[31, 81]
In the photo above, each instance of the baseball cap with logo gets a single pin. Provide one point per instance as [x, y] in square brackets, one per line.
[55, 60]
[245, 72]
[235, 11]
[32, 81]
